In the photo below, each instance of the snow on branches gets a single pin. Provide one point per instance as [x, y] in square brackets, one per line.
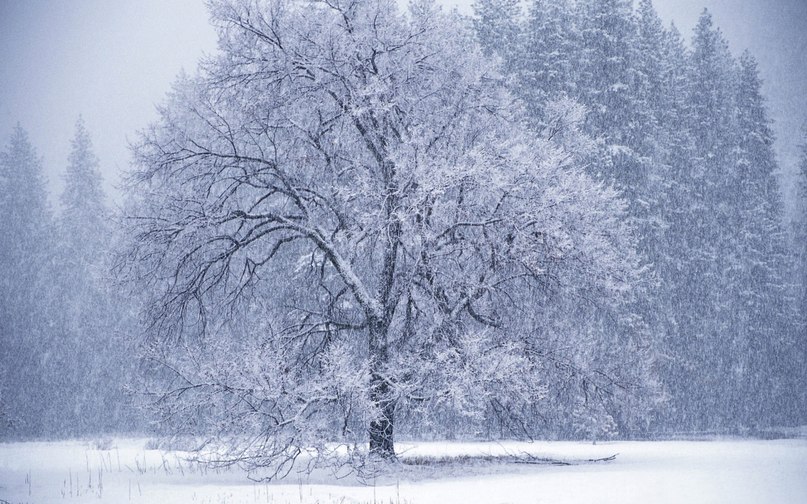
[344, 214]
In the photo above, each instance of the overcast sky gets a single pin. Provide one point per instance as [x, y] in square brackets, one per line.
[112, 61]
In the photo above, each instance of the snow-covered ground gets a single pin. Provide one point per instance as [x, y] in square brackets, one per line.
[730, 471]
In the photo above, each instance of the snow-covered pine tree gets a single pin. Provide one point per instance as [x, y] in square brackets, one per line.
[550, 56]
[25, 259]
[606, 78]
[800, 254]
[651, 88]
[613, 85]
[709, 294]
[801, 245]
[498, 29]
[90, 361]
[764, 310]
[677, 247]
[84, 219]
[654, 90]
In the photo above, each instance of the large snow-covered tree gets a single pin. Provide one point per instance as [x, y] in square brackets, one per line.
[343, 216]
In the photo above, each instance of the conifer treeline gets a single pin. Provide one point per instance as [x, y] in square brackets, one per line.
[684, 132]
[65, 331]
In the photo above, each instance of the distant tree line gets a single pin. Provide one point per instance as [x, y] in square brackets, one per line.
[684, 132]
[66, 333]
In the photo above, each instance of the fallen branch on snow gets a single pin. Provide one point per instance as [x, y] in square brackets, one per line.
[524, 458]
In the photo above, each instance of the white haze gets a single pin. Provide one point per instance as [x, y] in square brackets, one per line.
[112, 61]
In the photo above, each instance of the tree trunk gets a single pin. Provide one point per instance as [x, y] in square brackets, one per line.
[381, 394]
[382, 443]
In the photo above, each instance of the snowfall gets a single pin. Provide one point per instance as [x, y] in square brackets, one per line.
[705, 471]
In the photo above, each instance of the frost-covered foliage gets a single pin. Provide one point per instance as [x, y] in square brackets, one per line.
[343, 217]
[684, 134]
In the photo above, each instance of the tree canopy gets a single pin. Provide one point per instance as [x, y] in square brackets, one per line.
[344, 215]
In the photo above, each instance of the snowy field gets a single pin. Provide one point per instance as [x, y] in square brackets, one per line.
[718, 471]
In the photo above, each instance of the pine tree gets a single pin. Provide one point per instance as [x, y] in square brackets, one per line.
[610, 81]
[90, 358]
[653, 71]
[650, 73]
[84, 218]
[707, 302]
[498, 30]
[800, 351]
[567, 53]
[662, 89]
[613, 83]
[550, 56]
[763, 308]
[711, 66]
[607, 32]
[678, 322]
[673, 112]
[25, 259]
[801, 237]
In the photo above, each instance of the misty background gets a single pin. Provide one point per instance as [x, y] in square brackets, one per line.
[112, 61]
